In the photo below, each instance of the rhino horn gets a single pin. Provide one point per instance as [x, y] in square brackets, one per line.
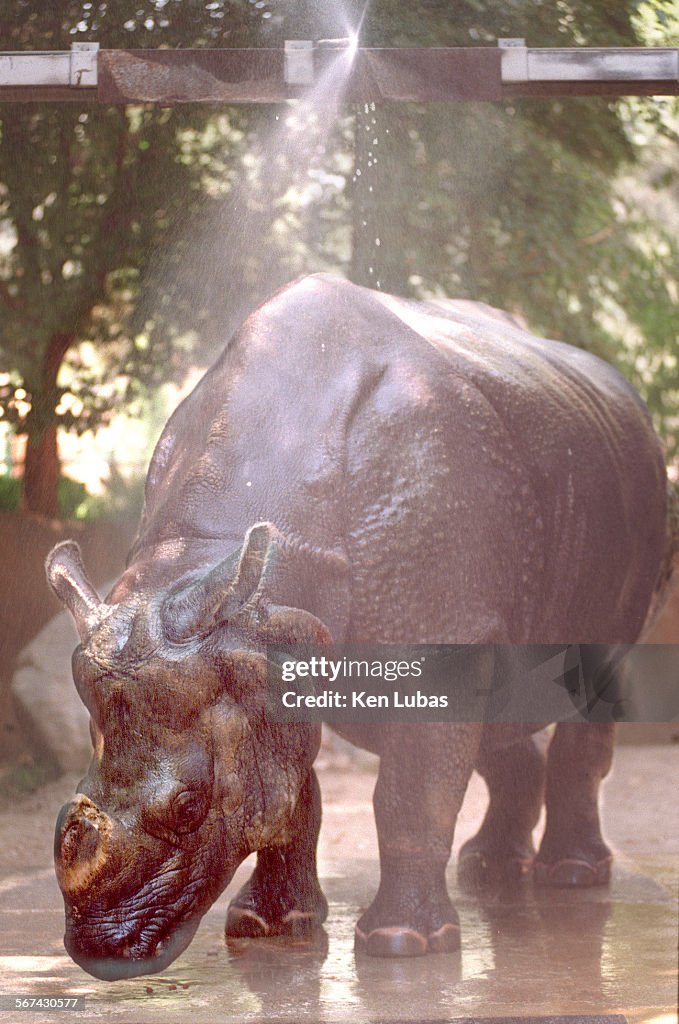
[67, 577]
[223, 592]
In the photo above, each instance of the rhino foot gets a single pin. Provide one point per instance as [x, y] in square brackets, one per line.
[401, 941]
[264, 908]
[244, 923]
[406, 922]
[573, 865]
[573, 853]
[477, 870]
[573, 872]
[482, 864]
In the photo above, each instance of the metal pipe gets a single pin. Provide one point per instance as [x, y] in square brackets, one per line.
[76, 67]
[272, 75]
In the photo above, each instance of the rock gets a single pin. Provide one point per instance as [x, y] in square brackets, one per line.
[46, 703]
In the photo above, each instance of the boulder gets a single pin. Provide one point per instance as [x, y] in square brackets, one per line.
[46, 703]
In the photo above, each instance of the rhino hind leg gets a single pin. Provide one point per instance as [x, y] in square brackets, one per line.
[573, 852]
[502, 850]
[283, 895]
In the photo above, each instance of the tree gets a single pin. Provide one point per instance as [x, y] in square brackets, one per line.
[534, 205]
[134, 226]
[87, 195]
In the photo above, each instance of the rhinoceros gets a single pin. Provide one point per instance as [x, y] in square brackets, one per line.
[355, 467]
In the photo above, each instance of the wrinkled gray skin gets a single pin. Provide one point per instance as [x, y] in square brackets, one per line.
[355, 467]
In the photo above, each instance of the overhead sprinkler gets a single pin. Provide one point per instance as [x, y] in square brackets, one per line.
[343, 70]
[345, 43]
[299, 56]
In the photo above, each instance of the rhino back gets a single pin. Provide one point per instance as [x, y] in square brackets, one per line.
[262, 436]
[518, 489]
[478, 479]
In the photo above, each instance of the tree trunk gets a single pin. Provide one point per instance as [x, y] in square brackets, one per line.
[41, 474]
[42, 468]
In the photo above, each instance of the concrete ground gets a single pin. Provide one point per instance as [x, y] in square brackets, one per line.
[525, 953]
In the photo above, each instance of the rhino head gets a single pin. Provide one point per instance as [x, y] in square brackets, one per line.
[189, 775]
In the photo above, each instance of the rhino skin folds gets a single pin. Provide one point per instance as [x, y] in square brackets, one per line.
[354, 468]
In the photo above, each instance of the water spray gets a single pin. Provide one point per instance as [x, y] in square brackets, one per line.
[299, 56]
[345, 43]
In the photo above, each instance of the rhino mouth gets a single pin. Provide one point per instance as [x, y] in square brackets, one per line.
[110, 957]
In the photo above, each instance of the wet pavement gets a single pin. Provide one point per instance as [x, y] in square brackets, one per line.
[526, 952]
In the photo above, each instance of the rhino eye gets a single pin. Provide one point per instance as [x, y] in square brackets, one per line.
[187, 811]
[180, 815]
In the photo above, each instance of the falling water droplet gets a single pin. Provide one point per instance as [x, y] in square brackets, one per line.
[378, 241]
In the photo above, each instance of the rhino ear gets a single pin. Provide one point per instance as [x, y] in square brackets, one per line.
[256, 560]
[286, 627]
[223, 592]
[67, 577]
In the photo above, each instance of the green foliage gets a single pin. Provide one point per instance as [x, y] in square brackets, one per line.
[74, 501]
[88, 195]
[10, 493]
[543, 207]
[72, 494]
[105, 187]
[123, 498]
[29, 24]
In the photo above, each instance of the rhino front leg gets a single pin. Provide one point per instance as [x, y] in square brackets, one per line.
[424, 771]
[283, 896]
[573, 852]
